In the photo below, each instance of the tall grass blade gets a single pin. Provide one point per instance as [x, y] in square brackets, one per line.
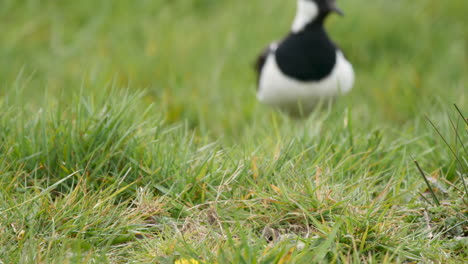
[446, 142]
[434, 196]
[461, 114]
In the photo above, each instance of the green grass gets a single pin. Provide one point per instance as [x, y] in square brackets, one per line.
[130, 133]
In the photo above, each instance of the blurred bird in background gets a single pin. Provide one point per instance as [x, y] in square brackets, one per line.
[306, 67]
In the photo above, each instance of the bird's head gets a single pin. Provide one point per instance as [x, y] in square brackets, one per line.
[312, 10]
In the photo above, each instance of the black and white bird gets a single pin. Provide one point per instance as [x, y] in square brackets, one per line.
[305, 67]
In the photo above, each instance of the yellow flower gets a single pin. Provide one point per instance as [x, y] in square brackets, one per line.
[187, 261]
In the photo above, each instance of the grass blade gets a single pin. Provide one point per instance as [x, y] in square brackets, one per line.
[461, 114]
[446, 143]
[434, 196]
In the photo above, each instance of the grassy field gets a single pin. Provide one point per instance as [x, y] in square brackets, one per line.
[130, 133]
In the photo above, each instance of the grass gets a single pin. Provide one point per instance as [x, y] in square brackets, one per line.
[130, 133]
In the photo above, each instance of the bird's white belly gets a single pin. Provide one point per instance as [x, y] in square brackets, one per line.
[276, 89]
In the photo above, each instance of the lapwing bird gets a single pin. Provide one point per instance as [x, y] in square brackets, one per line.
[306, 67]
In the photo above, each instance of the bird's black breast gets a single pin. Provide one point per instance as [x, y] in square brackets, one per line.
[308, 55]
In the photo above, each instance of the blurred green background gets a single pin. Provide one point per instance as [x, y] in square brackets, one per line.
[194, 57]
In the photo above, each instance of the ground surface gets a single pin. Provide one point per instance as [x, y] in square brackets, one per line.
[130, 133]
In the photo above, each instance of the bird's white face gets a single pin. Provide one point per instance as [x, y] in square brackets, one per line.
[307, 11]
